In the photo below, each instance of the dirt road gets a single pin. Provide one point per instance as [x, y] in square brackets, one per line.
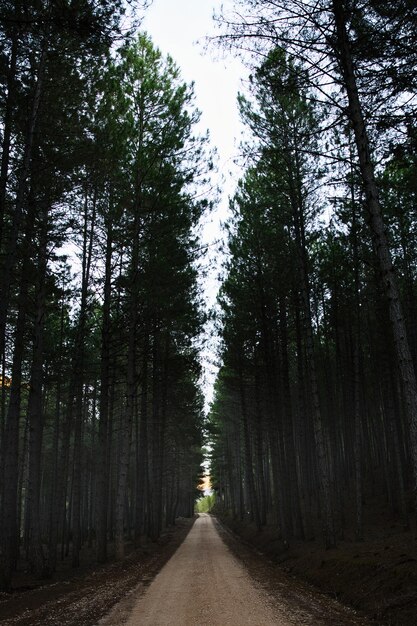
[204, 585]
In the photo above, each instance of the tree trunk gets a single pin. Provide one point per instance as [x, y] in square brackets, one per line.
[288, 424]
[389, 281]
[7, 131]
[9, 526]
[142, 464]
[54, 502]
[10, 523]
[254, 506]
[35, 416]
[131, 392]
[356, 378]
[21, 192]
[321, 448]
[102, 479]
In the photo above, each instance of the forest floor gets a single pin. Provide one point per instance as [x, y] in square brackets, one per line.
[203, 584]
[82, 597]
[376, 577]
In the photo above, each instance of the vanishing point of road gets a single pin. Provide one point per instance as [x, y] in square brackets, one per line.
[203, 584]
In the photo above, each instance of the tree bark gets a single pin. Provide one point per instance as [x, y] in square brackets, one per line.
[10, 523]
[79, 358]
[11, 244]
[142, 462]
[7, 131]
[253, 499]
[321, 448]
[54, 501]
[37, 556]
[102, 486]
[131, 392]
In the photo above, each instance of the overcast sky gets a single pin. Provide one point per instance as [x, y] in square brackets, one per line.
[179, 27]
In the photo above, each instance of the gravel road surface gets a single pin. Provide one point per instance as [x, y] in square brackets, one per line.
[203, 584]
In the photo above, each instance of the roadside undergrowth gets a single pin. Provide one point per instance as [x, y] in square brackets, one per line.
[377, 577]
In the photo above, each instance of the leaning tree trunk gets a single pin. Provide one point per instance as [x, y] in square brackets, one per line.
[388, 278]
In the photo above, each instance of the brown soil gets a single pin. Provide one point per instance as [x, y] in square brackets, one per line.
[377, 577]
[82, 597]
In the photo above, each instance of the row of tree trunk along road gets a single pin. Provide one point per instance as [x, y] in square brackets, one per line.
[101, 413]
[316, 401]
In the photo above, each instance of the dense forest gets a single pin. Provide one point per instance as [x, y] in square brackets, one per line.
[315, 411]
[101, 410]
[103, 188]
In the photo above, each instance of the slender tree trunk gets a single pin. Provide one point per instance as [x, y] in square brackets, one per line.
[10, 523]
[9, 526]
[156, 435]
[321, 448]
[131, 392]
[11, 244]
[301, 433]
[126, 436]
[54, 502]
[254, 506]
[7, 131]
[35, 416]
[79, 358]
[102, 480]
[288, 423]
[142, 466]
[356, 378]
[259, 450]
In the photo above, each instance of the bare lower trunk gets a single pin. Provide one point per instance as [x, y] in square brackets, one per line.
[142, 465]
[288, 424]
[131, 392]
[124, 454]
[79, 359]
[321, 448]
[37, 557]
[357, 444]
[103, 473]
[9, 520]
[253, 499]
